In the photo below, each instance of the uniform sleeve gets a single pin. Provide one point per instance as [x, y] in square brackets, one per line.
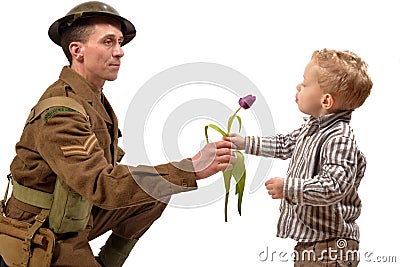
[71, 149]
[341, 165]
[278, 146]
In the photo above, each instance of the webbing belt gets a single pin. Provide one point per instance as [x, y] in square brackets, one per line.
[28, 195]
[31, 196]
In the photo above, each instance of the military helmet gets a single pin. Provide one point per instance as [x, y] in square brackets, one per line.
[87, 10]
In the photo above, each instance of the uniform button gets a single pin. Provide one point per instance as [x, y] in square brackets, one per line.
[286, 211]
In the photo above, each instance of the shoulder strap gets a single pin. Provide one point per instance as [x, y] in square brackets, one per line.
[3, 202]
[56, 101]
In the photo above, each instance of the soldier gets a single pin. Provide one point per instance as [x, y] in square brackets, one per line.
[67, 158]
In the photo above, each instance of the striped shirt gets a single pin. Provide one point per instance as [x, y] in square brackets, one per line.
[320, 199]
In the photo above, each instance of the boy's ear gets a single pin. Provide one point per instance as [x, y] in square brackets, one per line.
[327, 101]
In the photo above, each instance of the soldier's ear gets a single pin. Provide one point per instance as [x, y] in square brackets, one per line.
[76, 50]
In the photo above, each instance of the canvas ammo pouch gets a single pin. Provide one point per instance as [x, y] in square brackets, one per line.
[69, 211]
[25, 244]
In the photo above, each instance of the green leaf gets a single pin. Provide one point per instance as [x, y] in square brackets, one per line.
[231, 120]
[240, 122]
[215, 127]
[238, 166]
[240, 191]
[239, 173]
[227, 179]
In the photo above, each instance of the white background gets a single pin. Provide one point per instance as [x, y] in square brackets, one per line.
[268, 41]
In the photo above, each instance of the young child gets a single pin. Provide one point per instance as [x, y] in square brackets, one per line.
[320, 203]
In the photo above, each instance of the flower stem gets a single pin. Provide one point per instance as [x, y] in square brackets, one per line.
[231, 120]
[226, 205]
[237, 111]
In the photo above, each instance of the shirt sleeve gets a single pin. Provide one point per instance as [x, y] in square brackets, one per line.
[72, 151]
[340, 167]
[278, 146]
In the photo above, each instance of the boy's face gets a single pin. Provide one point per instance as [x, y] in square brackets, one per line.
[309, 95]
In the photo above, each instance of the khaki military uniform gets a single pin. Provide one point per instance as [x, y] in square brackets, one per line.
[82, 152]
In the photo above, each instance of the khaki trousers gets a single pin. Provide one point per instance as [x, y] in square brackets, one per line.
[129, 223]
[73, 249]
[329, 253]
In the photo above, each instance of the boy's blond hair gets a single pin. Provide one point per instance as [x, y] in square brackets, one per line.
[344, 75]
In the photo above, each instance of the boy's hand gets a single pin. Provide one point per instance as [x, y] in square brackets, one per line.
[237, 140]
[275, 187]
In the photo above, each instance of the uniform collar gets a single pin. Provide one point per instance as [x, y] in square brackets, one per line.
[317, 124]
[80, 85]
[86, 90]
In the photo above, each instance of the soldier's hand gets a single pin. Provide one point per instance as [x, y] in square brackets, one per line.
[212, 158]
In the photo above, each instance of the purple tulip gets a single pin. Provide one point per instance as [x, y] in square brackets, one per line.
[247, 101]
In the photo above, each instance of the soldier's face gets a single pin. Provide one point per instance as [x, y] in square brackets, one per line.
[102, 52]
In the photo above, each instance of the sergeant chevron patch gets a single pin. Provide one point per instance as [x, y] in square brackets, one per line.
[83, 150]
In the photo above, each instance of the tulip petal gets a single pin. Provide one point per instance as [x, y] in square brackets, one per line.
[247, 101]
